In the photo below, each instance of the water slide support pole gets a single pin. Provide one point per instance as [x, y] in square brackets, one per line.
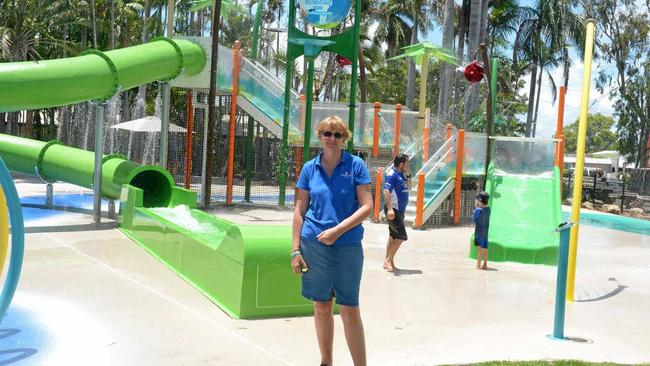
[99, 150]
[164, 125]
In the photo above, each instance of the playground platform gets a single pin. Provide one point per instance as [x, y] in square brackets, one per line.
[91, 296]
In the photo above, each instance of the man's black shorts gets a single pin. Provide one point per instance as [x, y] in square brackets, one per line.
[396, 228]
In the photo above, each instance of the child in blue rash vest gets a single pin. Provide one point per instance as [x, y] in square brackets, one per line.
[481, 220]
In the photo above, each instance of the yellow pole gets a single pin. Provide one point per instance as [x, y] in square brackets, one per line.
[580, 159]
[424, 71]
[4, 230]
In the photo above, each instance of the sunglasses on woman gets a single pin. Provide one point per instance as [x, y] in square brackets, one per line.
[337, 135]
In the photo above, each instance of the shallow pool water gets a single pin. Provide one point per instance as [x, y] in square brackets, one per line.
[615, 222]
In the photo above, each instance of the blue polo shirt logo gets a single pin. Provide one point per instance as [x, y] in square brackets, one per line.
[332, 199]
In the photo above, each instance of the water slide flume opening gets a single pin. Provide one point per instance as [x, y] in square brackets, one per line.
[155, 183]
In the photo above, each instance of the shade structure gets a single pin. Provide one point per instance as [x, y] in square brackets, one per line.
[147, 124]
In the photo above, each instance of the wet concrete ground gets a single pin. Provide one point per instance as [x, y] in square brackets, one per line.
[93, 297]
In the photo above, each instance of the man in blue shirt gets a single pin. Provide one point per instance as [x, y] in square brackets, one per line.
[396, 196]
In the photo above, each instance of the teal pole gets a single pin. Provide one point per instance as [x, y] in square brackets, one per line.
[284, 150]
[355, 66]
[308, 103]
[560, 288]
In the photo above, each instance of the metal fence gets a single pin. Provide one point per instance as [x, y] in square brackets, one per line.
[630, 190]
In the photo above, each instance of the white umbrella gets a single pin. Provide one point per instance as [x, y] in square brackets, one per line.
[147, 124]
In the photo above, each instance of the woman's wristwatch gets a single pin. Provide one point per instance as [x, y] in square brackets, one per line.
[295, 253]
[408, 176]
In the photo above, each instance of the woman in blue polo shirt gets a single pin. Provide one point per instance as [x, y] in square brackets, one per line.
[333, 200]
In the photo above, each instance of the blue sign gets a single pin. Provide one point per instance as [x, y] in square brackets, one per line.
[324, 14]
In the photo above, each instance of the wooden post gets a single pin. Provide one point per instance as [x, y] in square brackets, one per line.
[233, 120]
[460, 152]
[375, 130]
[398, 127]
[378, 190]
[419, 208]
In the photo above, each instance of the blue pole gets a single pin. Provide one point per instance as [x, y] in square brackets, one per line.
[560, 290]
[17, 239]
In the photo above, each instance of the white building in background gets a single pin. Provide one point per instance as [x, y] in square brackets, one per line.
[610, 161]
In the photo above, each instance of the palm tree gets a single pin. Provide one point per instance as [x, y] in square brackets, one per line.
[445, 77]
[542, 35]
[475, 30]
[418, 23]
[391, 25]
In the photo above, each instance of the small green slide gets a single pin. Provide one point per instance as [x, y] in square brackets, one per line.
[243, 269]
[524, 212]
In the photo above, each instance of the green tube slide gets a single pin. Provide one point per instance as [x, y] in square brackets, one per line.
[53, 161]
[95, 75]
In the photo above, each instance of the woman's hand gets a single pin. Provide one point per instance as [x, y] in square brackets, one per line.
[390, 214]
[329, 236]
[297, 263]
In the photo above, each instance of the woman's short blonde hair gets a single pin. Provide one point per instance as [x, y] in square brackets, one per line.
[335, 124]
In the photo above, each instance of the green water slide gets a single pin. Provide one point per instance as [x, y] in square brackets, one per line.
[243, 269]
[95, 75]
[524, 188]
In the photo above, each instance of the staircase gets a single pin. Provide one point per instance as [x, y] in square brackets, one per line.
[439, 173]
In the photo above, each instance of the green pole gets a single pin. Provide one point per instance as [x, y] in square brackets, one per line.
[251, 120]
[355, 65]
[308, 102]
[284, 151]
[493, 86]
[249, 159]
[256, 29]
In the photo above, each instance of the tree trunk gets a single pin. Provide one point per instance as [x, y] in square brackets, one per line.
[363, 86]
[484, 16]
[539, 93]
[473, 41]
[12, 123]
[445, 79]
[29, 124]
[531, 99]
[212, 103]
[93, 12]
[460, 55]
[142, 89]
[112, 42]
[410, 80]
